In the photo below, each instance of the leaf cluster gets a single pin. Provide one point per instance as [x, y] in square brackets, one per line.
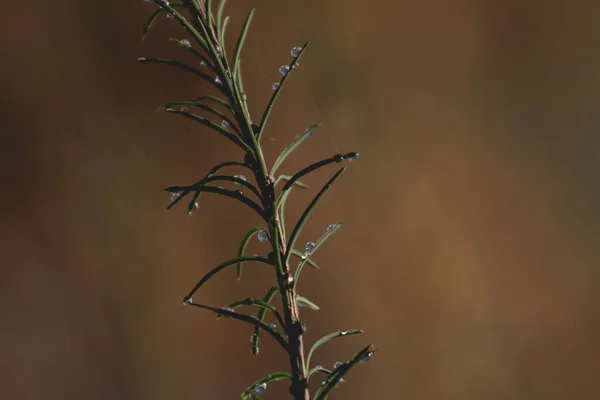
[228, 115]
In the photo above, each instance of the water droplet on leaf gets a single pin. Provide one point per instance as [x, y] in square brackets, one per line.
[260, 388]
[367, 358]
[353, 156]
[309, 246]
[218, 81]
[295, 51]
[284, 69]
[332, 227]
[262, 236]
[337, 364]
[241, 177]
[275, 86]
[185, 43]
[225, 124]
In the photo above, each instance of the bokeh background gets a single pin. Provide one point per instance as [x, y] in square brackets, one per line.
[469, 251]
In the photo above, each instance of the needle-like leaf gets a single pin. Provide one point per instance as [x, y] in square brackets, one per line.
[307, 212]
[326, 339]
[292, 146]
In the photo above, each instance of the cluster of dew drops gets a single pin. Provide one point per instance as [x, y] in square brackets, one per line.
[284, 69]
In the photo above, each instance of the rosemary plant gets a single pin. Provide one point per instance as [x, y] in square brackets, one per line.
[215, 65]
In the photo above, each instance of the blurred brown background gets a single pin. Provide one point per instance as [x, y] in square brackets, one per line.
[469, 250]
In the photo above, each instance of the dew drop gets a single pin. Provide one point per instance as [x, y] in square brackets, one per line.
[284, 69]
[244, 97]
[218, 81]
[304, 327]
[227, 309]
[170, 16]
[332, 227]
[174, 196]
[193, 208]
[353, 156]
[260, 388]
[309, 246]
[187, 301]
[203, 63]
[141, 59]
[210, 175]
[304, 256]
[183, 109]
[295, 65]
[340, 383]
[275, 86]
[319, 366]
[225, 124]
[253, 338]
[337, 364]
[295, 51]
[367, 358]
[242, 177]
[343, 333]
[239, 191]
[273, 326]
[262, 236]
[220, 187]
[185, 43]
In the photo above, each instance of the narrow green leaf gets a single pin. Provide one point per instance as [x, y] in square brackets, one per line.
[326, 339]
[304, 302]
[308, 260]
[220, 20]
[273, 377]
[148, 25]
[292, 146]
[261, 316]
[307, 212]
[220, 268]
[258, 303]
[242, 248]
[331, 229]
[287, 178]
[176, 64]
[224, 30]
[240, 90]
[318, 368]
[210, 124]
[337, 374]
[265, 117]
[224, 192]
[216, 100]
[251, 319]
[205, 107]
[240, 43]
[218, 167]
[313, 167]
[280, 207]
